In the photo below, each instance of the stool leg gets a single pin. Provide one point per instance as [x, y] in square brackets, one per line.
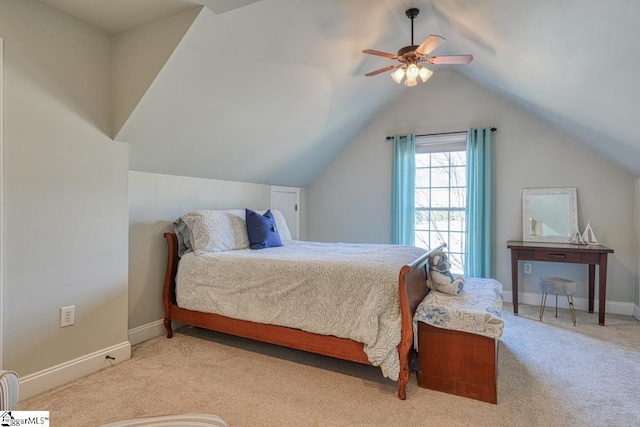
[543, 302]
[556, 305]
[572, 309]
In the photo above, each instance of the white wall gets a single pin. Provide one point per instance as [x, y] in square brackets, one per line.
[155, 201]
[65, 188]
[138, 56]
[351, 201]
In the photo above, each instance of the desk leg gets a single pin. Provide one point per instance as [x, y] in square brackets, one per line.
[602, 290]
[514, 279]
[592, 285]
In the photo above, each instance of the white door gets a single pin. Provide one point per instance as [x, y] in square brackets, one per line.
[287, 201]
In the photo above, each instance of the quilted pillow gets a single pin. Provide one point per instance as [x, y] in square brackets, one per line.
[262, 230]
[216, 230]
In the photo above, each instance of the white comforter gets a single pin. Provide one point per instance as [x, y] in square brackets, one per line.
[345, 290]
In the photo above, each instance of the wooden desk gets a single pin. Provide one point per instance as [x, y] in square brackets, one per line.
[564, 252]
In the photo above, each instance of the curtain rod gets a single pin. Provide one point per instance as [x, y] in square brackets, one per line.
[390, 138]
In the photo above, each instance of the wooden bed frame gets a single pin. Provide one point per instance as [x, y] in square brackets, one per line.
[412, 289]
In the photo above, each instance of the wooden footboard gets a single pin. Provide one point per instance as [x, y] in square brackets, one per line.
[412, 289]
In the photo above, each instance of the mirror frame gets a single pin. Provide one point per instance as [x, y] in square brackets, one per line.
[573, 213]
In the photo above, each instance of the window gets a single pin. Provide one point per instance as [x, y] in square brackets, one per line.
[441, 194]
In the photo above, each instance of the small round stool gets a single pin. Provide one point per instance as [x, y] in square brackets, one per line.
[558, 286]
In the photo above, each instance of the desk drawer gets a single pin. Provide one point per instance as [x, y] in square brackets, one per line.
[558, 256]
[591, 258]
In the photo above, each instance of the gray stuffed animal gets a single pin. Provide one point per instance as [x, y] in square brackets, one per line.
[440, 278]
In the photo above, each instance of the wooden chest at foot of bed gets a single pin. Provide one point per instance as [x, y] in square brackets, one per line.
[457, 362]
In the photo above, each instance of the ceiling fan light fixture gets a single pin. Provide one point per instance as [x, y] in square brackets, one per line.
[410, 82]
[425, 73]
[411, 56]
[398, 75]
[412, 72]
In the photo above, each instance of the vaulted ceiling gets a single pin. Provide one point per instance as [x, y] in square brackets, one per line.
[277, 86]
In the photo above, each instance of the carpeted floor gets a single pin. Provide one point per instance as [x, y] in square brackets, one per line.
[549, 373]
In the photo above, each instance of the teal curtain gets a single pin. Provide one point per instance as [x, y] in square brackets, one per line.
[479, 248]
[404, 177]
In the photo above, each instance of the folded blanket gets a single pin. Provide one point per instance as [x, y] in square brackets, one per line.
[476, 310]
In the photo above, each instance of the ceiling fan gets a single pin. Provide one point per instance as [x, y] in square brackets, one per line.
[410, 57]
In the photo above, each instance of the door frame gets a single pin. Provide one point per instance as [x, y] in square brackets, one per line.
[1, 202]
[636, 302]
[296, 190]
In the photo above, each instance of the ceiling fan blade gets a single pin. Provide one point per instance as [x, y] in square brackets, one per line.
[382, 70]
[429, 44]
[377, 52]
[450, 59]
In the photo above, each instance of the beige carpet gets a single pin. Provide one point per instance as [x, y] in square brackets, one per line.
[550, 373]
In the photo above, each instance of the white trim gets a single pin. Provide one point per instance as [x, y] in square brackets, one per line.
[636, 309]
[439, 143]
[442, 138]
[151, 330]
[295, 233]
[1, 202]
[63, 373]
[146, 332]
[612, 307]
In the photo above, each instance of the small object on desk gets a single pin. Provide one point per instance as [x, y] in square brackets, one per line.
[589, 237]
[577, 239]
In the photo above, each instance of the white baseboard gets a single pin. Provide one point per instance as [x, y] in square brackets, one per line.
[613, 307]
[146, 332]
[636, 312]
[38, 382]
[150, 330]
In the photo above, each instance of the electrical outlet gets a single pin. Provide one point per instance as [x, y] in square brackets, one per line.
[527, 268]
[67, 316]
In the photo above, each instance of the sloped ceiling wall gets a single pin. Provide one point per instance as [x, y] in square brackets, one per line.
[139, 57]
[570, 63]
[273, 90]
[270, 93]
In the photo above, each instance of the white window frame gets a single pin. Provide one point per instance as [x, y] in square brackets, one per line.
[444, 143]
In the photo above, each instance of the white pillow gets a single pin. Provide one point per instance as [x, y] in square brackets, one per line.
[281, 225]
[225, 229]
[217, 230]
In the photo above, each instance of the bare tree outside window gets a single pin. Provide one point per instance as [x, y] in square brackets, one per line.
[440, 201]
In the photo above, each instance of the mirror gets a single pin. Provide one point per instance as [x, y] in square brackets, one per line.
[549, 214]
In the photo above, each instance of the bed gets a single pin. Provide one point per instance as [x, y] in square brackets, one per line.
[190, 298]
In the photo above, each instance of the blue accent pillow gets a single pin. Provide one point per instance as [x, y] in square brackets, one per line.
[262, 230]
